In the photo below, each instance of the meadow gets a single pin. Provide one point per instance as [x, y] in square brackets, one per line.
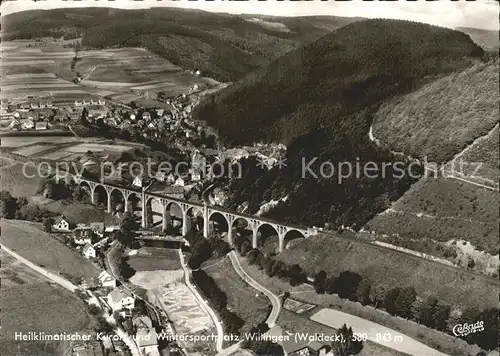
[239, 293]
[51, 310]
[30, 241]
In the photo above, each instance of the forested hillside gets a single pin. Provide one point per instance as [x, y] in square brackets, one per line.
[320, 99]
[225, 47]
[443, 117]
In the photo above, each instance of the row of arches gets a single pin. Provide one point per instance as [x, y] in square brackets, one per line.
[170, 216]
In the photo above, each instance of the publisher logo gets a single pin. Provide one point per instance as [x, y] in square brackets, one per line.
[466, 329]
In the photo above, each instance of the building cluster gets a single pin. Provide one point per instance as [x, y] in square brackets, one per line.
[179, 186]
[35, 114]
[88, 239]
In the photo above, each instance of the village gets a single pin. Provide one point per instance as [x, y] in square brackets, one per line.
[139, 319]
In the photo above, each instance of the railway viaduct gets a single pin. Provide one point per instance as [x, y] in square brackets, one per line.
[254, 223]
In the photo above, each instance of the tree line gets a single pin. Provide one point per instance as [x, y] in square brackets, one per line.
[398, 301]
[21, 209]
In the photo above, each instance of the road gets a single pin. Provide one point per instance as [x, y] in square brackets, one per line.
[63, 282]
[202, 302]
[275, 300]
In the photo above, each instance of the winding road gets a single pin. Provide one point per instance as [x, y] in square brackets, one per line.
[275, 300]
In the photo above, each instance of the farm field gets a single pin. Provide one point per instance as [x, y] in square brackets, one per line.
[442, 118]
[239, 293]
[32, 150]
[32, 72]
[392, 269]
[167, 290]
[22, 141]
[60, 149]
[27, 239]
[131, 72]
[51, 310]
[119, 74]
[443, 209]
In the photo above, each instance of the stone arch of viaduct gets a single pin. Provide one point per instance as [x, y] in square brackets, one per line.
[253, 222]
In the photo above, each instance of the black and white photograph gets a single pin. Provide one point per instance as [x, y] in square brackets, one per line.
[249, 178]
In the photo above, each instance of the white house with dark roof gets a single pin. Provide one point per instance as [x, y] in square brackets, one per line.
[41, 125]
[88, 251]
[106, 280]
[28, 124]
[119, 299]
[138, 182]
[179, 182]
[61, 224]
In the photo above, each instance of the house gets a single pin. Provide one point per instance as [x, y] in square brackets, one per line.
[146, 116]
[138, 182]
[170, 178]
[60, 117]
[98, 228]
[174, 191]
[87, 350]
[198, 161]
[119, 298]
[24, 106]
[14, 124]
[293, 347]
[147, 342]
[28, 124]
[82, 236]
[142, 322]
[196, 176]
[61, 224]
[179, 182]
[160, 176]
[41, 126]
[88, 251]
[106, 280]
